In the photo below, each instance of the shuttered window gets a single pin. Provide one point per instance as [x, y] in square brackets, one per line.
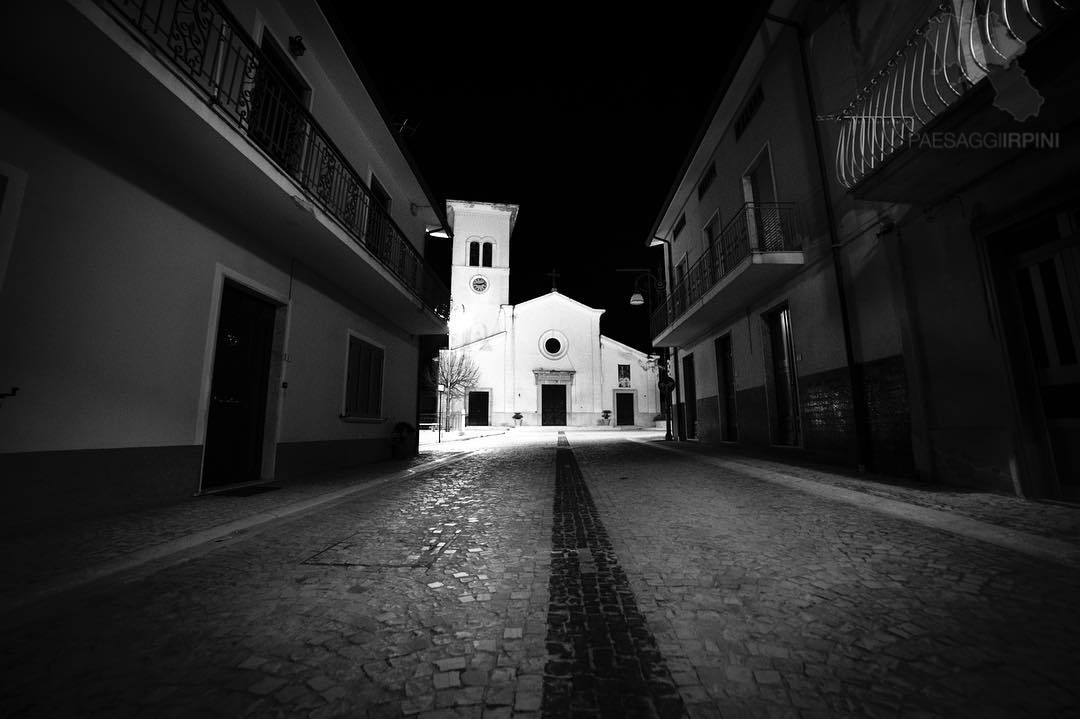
[363, 385]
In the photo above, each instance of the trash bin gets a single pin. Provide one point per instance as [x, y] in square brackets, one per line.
[402, 441]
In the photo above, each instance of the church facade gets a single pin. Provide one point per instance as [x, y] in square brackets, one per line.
[543, 359]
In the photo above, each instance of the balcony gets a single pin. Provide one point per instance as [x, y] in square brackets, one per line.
[757, 249]
[205, 45]
[179, 100]
[963, 53]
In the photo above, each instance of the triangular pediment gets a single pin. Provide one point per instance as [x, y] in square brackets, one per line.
[556, 299]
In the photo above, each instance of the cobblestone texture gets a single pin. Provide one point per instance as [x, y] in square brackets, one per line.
[604, 659]
[35, 558]
[431, 597]
[1046, 519]
[398, 603]
[767, 601]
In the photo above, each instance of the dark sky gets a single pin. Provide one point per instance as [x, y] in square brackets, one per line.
[583, 122]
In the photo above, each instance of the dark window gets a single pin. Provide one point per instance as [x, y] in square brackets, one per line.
[474, 254]
[552, 345]
[363, 385]
[679, 225]
[624, 375]
[749, 109]
[706, 180]
[488, 247]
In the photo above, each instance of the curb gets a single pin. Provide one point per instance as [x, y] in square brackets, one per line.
[74, 580]
[1053, 550]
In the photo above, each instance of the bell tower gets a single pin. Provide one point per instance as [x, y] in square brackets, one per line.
[480, 268]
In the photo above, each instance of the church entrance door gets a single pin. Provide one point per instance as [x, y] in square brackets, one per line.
[478, 410]
[624, 408]
[553, 405]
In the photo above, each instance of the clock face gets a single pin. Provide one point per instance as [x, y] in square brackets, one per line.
[479, 284]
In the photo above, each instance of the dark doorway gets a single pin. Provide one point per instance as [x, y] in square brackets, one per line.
[478, 410]
[377, 234]
[725, 382]
[238, 389]
[278, 100]
[759, 191]
[624, 408]
[690, 396]
[1039, 299]
[781, 380]
[553, 405]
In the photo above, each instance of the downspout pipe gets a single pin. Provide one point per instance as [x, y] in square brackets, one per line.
[858, 395]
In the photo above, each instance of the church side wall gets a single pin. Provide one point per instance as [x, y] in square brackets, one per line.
[642, 384]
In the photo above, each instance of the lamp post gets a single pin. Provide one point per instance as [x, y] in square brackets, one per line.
[438, 411]
[673, 353]
[652, 284]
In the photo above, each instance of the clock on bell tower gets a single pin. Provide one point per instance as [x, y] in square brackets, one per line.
[480, 268]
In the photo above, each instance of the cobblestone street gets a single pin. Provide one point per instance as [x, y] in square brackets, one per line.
[568, 575]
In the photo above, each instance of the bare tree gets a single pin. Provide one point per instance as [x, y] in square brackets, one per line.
[456, 372]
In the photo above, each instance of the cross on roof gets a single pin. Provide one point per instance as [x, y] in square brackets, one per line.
[554, 275]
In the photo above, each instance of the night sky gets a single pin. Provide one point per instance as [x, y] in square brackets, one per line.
[583, 122]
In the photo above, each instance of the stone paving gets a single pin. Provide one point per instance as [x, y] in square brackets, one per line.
[604, 660]
[600, 577]
[768, 601]
[1045, 519]
[35, 560]
[427, 597]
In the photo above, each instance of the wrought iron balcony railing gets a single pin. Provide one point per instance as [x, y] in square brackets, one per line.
[757, 227]
[204, 44]
[963, 43]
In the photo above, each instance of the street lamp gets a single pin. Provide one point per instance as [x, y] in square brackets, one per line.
[441, 389]
[643, 296]
[673, 352]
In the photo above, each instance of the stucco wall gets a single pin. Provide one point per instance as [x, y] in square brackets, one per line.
[107, 307]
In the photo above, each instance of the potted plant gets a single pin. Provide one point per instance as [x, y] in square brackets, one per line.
[517, 418]
[606, 416]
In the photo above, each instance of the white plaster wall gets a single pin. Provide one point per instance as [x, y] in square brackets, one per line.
[474, 315]
[318, 350]
[643, 379]
[106, 312]
[581, 326]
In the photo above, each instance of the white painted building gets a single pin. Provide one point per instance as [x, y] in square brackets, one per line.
[545, 358]
[211, 254]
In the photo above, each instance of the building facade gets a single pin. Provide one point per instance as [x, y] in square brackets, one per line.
[211, 254]
[543, 359]
[893, 281]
